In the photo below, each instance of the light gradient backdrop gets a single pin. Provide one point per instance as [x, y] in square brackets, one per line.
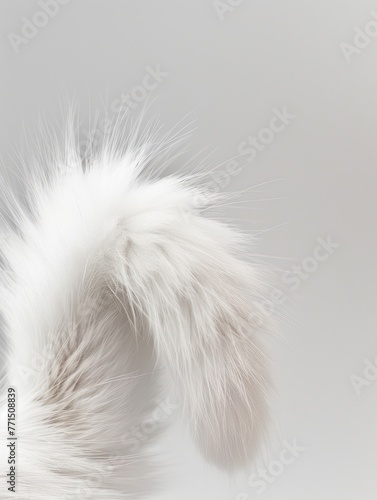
[234, 65]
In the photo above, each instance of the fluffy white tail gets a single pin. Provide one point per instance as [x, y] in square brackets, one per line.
[107, 261]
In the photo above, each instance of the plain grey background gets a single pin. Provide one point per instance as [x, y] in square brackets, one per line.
[234, 65]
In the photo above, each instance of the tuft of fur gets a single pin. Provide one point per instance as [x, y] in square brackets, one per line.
[109, 271]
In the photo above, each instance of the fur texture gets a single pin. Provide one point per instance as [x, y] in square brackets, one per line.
[108, 272]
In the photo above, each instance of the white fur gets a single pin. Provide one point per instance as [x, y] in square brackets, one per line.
[108, 262]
